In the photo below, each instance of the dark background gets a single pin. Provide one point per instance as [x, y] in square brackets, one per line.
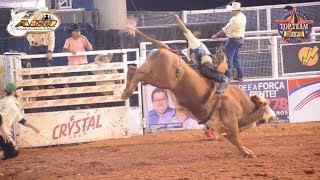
[179, 5]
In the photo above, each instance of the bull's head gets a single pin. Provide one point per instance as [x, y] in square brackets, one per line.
[263, 105]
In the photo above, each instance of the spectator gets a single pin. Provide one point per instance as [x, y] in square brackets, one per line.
[159, 99]
[76, 43]
[100, 60]
[235, 32]
[288, 8]
[10, 112]
[41, 43]
[179, 116]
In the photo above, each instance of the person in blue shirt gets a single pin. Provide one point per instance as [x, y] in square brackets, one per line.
[160, 103]
[179, 116]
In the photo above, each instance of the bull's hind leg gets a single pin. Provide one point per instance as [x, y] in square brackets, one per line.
[233, 137]
[137, 76]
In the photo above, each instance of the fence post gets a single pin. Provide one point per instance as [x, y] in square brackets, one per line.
[143, 52]
[313, 37]
[268, 11]
[184, 17]
[274, 56]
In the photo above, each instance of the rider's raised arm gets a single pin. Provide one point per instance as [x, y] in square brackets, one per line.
[193, 42]
[180, 23]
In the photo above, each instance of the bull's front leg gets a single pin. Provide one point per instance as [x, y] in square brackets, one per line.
[138, 75]
[131, 71]
[233, 137]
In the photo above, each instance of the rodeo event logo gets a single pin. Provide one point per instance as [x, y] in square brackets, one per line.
[40, 21]
[294, 26]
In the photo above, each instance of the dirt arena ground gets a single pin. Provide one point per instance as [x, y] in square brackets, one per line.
[285, 151]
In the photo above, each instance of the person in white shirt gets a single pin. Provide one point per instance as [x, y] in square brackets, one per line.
[234, 30]
[10, 112]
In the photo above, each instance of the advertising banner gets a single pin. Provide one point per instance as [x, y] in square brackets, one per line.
[300, 58]
[273, 90]
[75, 126]
[304, 99]
[162, 114]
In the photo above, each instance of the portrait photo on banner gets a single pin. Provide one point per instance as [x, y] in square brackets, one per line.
[162, 114]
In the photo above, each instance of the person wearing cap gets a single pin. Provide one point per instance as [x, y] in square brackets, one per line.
[100, 60]
[204, 57]
[235, 32]
[76, 43]
[41, 43]
[10, 112]
[287, 8]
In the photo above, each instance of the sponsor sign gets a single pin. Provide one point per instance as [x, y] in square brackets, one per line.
[294, 26]
[161, 113]
[23, 22]
[273, 90]
[304, 99]
[75, 126]
[300, 58]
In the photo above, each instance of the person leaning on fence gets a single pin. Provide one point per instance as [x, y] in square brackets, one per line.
[100, 60]
[10, 112]
[235, 32]
[76, 43]
[41, 43]
[203, 55]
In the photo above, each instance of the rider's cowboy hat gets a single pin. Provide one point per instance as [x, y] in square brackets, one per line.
[235, 6]
[73, 27]
[97, 58]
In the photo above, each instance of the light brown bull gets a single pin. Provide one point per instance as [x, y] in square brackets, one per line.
[229, 113]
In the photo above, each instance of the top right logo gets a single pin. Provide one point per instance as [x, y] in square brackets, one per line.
[294, 26]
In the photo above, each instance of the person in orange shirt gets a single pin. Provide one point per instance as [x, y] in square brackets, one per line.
[76, 43]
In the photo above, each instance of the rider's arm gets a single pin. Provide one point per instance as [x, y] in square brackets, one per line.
[193, 42]
[180, 23]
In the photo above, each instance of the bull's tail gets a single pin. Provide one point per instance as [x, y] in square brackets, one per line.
[133, 30]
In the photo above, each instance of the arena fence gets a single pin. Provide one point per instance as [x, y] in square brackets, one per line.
[259, 17]
[70, 106]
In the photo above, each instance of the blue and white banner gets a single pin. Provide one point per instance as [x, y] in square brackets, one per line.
[273, 90]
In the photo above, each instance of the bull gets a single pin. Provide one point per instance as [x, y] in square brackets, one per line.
[229, 113]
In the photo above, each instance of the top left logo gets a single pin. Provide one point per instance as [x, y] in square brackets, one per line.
[39, 22]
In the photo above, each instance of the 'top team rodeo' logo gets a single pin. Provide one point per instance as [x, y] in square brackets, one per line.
[294, 26]
[40, 21]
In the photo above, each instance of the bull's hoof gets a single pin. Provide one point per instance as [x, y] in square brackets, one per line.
[250, 156]
[248, 153]
[125, 95]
